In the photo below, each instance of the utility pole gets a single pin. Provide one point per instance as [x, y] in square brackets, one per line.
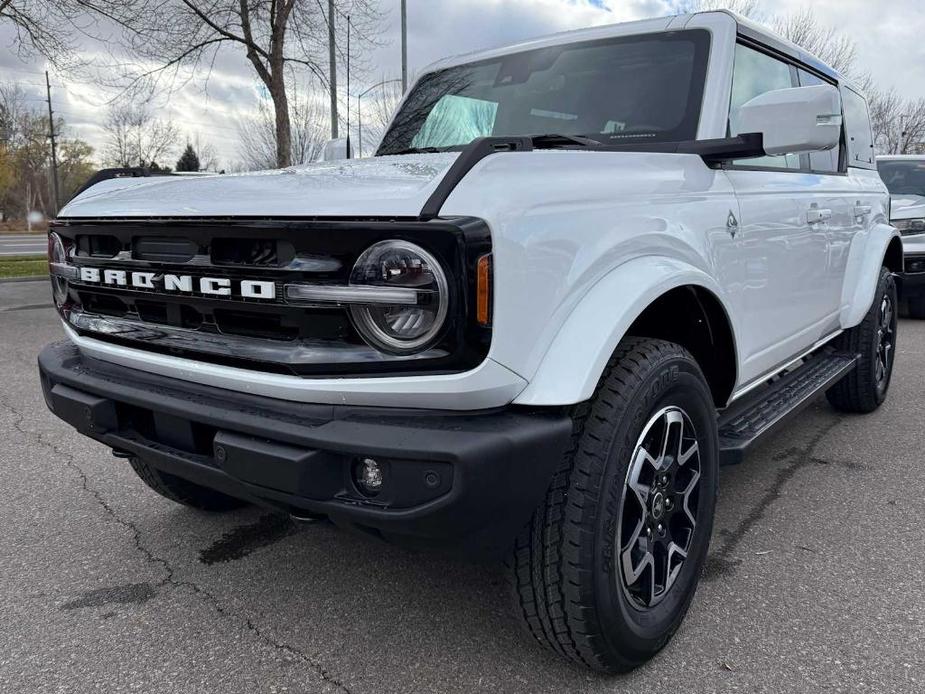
[404, 46]
[349, 28]
[54, 149]
[332, 57]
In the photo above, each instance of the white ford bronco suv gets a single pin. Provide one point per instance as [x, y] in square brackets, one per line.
[578, 274]
[904, 176]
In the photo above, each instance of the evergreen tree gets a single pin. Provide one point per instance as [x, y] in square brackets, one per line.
[189, 160]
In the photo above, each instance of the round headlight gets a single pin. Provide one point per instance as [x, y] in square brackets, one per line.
[57, 256]
[400, 328]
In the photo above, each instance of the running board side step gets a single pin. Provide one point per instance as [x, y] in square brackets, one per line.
[741, 424]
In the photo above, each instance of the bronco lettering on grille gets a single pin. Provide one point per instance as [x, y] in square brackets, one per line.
[183, 284]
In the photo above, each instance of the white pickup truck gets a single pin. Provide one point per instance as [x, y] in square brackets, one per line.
[578, 274]
[904, 176]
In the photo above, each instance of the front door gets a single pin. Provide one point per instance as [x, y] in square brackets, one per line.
[784, 290]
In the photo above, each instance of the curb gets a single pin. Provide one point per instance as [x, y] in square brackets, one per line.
[32, 278]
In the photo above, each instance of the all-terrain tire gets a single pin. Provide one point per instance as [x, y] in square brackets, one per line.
[566, 585]
[864, 389]
[182, 491]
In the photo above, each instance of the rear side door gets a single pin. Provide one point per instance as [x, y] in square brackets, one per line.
[836, 192]
[785, 294]
[871, 199]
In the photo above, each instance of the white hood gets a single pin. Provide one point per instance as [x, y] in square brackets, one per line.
[395, 186]
[907, 206]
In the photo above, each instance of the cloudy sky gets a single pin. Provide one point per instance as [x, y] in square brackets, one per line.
[888, 37]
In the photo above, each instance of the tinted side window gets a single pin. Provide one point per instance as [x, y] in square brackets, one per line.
[827, 161]
[857, 125]
[754, 74]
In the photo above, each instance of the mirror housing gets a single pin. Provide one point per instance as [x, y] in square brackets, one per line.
[799, 119]
[335, 150]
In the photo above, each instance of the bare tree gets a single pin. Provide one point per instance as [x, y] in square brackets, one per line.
[279, 38]
[377, 106]
[803, 28]
[46, 27]
[382, 107]
[829, 44]
[898, 124]
[25, 156]
[12, 107]
[746, 8]
[258, 146]
[135, 138]
[208, 157]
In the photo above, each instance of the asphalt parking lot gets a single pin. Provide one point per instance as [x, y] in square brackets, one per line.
[815, 582]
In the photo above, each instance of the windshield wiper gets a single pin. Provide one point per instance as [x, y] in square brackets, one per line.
[553, 140]
[544, 141]
[418, 150]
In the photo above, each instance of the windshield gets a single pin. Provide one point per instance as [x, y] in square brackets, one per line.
[616, 91]
[903, 177]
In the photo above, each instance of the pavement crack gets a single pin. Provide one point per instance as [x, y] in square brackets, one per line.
[169, 579]
[71, 463]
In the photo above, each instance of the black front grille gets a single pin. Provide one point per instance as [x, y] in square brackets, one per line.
[253, 252]
[267, 326]
[270, 335]
[164, 249]
[104, 304]
[98, 245]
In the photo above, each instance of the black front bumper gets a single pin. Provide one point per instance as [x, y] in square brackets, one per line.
[469, 479]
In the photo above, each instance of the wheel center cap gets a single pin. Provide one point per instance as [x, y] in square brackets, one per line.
[658, 506]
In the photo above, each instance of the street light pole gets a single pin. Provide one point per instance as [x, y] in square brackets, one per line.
[332, 57]
[349, 27]
[404, 46]
[360, 114]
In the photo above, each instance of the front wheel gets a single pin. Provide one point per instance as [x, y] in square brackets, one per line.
[874, 341]
[183, 491]
[607, 567]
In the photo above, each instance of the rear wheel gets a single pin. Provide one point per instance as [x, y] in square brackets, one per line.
[606, 569]
[874, 340]
[182, 491]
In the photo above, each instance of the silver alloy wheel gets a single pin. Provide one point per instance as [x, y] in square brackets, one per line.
[886, 330]
[660, 504]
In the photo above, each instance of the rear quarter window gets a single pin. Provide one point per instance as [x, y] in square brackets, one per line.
[857, 127]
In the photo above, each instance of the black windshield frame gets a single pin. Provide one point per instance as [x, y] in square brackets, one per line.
[884, 165]
[432, 87]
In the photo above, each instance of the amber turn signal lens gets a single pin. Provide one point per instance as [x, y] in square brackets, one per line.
[483, 291]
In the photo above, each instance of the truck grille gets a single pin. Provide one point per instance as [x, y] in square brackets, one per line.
[219, 316]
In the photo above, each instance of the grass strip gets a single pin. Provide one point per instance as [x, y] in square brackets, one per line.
[22, 266]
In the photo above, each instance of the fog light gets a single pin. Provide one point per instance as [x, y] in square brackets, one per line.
[367, 474]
